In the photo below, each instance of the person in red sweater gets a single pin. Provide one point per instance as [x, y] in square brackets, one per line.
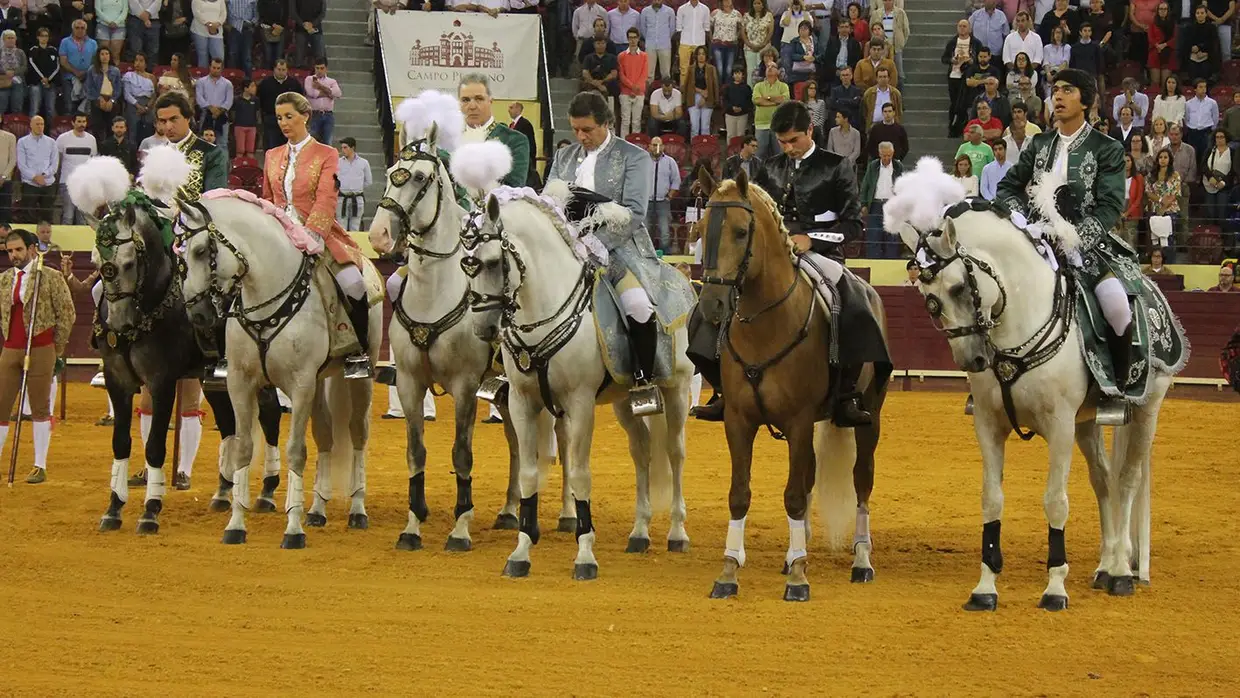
[992, 127]
[633, 66]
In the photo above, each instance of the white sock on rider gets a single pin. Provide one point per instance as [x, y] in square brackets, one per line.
[351, 282]
[144, 426]
[191, 436]
[42, 433]
[695, 390]
[637, 304]
[394, 407]
[1113, 301]
[428, 405]
[393, 284]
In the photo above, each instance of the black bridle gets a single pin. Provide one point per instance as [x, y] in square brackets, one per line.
[107, 241]
[536, 357]
[1012, 363]
[710, 260]
[399, 176]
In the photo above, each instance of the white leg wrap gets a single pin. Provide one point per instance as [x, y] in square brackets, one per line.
[144, 427]
[393, 284]
[294, 497]
[637, 304]
[735, 545]
[120, 479]
[495, 413]
[223, 450]
[1114, 303]
[191, 436]
[111, 408]
[861, 533]
[357, 478]
[428, 404]
[154, 482]
[241, 487]
[796, 541]
[394, 407]
[351, 282]
[42, 435]
[96, 292]
[271, 460]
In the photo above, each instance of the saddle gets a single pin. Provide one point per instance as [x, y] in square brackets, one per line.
[611, 327]
[342, 337]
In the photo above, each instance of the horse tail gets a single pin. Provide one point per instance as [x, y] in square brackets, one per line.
[660, 464]
[340, 406]
[835, 451]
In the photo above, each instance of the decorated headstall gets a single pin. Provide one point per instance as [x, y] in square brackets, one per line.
[108, 239]
[716, 215]
[215, 239]
[474, 236]
[400, 175]
[931, 264]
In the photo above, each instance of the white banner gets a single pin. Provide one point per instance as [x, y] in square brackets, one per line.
[433, 50]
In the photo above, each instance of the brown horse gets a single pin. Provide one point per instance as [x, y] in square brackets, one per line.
[775, 373]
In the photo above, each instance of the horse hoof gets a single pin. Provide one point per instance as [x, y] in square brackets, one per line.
[638, 545]
[219, 506]
[409, 541]
[982, 602]
[148, 527]
[1102, 580]
[359, 522]
[796, 592]
[293, 541]
[505, 522]
[1121, 586]
[234, 536]
[724, 590]
[262, 506]
[567, 525]
[584, 572]
[517, 569]
[316, 520]
[109, 523]
[1053, 602]
[678, 546]
[862, 575]
[458, 545]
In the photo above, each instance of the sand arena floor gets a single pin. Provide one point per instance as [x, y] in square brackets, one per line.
[181, 614]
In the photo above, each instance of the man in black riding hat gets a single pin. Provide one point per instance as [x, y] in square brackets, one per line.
[817, 194]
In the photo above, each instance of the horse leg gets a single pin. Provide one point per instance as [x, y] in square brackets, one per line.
[360, 395]
[740, 433]
[303, 397]
[237, 459]
[1059, 443]
[506, 520]
[639, 450]
[122, 443]
[524, 413]
[324, 441]
[802, 467]
[992, 431]
[549, 448]
[863, 482]
[221, 407]
[580, 431]
[410, 390]
[463, 463]
[269, 420]
[1132, 478]
[1089, 440]
[675, 413]
[163, 399]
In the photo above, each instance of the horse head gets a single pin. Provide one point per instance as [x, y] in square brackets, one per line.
[741, 231]
[212, 267]
[491, 261]
[414, 197]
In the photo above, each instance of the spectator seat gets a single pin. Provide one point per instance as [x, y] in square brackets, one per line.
[1231, 72]
[17, 124]
[251, 179]
[638, 139]
[707, 147]
[676, 148]
[245, 161]
[735, 145]
[1205, 245]
[1127, 69]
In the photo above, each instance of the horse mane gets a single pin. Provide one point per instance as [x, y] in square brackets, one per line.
[764, 197]
[586, 248]
[298, 236]
[977, 231]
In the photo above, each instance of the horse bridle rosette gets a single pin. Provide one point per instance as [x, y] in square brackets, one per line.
[400, 175]
[932, 264]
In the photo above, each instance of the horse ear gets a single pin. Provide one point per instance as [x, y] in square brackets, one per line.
[742, 183]
[706, 180]
[492, 209]
[432, 136]
[949, 235]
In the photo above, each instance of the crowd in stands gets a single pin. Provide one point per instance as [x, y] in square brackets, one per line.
[80, 78]
[1167, 87]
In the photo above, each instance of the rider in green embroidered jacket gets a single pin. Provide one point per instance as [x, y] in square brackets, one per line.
[474, 93]
[1092, 164]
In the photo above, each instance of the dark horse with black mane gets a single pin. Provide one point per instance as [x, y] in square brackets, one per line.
[143, 334]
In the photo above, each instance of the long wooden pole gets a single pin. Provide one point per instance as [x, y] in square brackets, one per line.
[21, 395]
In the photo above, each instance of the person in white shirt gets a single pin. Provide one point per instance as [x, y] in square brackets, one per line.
[666, 112]
[1023, 39]
[877, 187]
[693, 25]
[353, 172]
[75, 148]
[994, 171]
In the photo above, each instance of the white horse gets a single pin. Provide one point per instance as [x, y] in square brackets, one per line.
[534, 291]
[433, 336]
[1007, 312]
[278, 333]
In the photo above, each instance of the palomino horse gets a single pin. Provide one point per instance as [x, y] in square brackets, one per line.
[278, 333]
[775, 374]
[141, 329]
[534, 291]
[1010, 320]
[419, 214]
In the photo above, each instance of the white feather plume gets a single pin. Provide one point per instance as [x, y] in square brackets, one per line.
[98, 182]
[557, 190]
[433, 107]
[1042, 197]
[612, 215]
[164, 170]
[481, 166]
[920, 197]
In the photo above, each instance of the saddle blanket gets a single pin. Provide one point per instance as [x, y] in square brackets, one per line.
[1159, 342]
[343, 340]
[613, 337]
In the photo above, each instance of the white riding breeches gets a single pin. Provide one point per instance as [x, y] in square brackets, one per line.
[96, 291]
[636, 304]
[351, 282]
[393, 284]
[1114, 303]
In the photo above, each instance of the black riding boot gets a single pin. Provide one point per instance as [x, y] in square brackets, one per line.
[1116, 411]
[712, 411]
[848, 411]
[358, 365]
[644, 397]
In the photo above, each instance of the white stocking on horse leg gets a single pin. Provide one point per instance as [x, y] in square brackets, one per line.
[675, 413]
[862, 570]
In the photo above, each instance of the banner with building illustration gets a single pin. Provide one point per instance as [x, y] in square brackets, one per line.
[433, 50]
